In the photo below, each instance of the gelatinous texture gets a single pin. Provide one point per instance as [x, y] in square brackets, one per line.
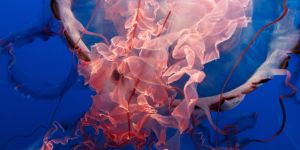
[157, 42]
[156, 45]
[159, 67]
[160, 42]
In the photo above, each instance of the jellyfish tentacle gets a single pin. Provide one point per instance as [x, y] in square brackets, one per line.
[48, 143]
[106, 41]
[40, 127]
[281, 99]
[205, 106]
[84, 30]
[257, 34]
[284, 13]
[288, 75]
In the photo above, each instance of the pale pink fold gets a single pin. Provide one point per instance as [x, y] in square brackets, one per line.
[157, 43]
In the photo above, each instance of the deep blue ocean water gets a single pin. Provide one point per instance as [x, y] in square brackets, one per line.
[48, 67]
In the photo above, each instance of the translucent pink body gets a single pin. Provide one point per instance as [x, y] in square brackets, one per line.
[157, 43]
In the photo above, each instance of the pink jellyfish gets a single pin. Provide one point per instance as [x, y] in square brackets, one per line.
[148, 58]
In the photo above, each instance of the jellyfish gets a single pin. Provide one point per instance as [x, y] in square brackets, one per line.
[162, 69]
[157, 65]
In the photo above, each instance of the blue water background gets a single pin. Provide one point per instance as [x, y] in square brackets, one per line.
[50, 65]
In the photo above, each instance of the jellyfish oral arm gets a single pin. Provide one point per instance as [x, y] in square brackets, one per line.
[134, 72]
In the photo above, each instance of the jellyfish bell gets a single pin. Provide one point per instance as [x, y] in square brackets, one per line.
[136, 53]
